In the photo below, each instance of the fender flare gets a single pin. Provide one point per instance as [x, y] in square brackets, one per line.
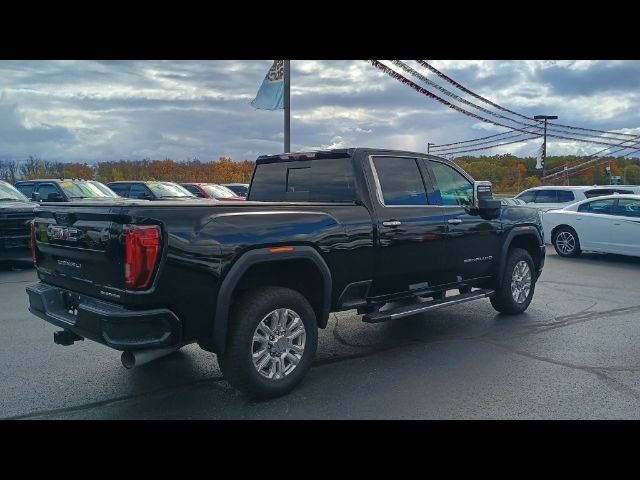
[519, 231]
[240, 267]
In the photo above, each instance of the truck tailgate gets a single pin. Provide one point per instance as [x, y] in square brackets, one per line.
[81, 247]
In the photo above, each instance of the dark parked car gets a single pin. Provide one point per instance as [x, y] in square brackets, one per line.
[16, 213]
[151, 190]
[212, 190]
[63, 190]
[241, 189]
[253, 281]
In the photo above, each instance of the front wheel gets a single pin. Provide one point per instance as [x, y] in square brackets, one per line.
[566, 243]
[514, 295]
[272, 341]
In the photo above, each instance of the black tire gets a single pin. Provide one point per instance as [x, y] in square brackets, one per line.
[503, 299]
[562, 240]
[237, 362]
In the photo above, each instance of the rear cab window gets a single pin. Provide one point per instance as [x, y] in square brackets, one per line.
[304, 180]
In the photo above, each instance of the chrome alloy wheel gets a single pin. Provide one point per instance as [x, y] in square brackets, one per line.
[566, 242]
[278, 343]
[521, 282]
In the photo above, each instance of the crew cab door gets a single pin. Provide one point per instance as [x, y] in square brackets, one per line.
[472, 242]
[410, 251]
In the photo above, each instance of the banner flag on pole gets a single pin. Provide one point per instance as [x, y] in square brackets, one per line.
[271, 91]
[539, 159]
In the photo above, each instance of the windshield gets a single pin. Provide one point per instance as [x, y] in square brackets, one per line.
[83, 189]
[218, 191]
[104, 189]
[168, 189]
[9, 193]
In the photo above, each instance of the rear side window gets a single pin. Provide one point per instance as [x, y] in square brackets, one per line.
[25, 189]
[597, 206]
[321, 180]
[400, 181]
[565, 196]
[601, 192]
[627, 207]
[546, 196]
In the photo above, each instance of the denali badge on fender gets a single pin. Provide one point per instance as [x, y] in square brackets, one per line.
[63, 233]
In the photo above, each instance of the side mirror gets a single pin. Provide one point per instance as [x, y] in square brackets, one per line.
[35, 196]
[144, 196]
[483, 197]
[54, 197]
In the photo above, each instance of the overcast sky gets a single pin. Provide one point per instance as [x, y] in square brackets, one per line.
[110, 110]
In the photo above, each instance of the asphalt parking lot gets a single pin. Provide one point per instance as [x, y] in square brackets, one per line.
[575, 354]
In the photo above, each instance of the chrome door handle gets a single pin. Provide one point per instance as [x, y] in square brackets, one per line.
[454, 221]
[392, 223]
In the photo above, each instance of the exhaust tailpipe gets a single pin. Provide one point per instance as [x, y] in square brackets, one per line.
[136, 358]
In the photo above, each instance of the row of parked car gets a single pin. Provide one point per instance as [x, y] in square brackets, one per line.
[18, 202]
[64, 190]
[603, 219]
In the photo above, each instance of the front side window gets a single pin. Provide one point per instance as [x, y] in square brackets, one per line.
[46, 189]
[454, 188]
[627, 207]
[597, 206]
[527, 197]
[400, 181]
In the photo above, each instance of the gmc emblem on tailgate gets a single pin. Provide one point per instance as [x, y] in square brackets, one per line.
[63, 233]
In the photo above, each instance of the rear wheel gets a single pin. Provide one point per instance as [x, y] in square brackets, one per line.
[272, 341]
[514, 295]
[566, 243]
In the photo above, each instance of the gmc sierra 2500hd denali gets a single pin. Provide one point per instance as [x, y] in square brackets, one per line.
[252, 281]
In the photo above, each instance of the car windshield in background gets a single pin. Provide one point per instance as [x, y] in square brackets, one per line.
[82, 189]
[168, 190]
[218, 191]
[238, 189]
[104, 189]
[9, 193]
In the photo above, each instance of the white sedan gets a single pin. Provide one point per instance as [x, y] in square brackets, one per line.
[608, 224]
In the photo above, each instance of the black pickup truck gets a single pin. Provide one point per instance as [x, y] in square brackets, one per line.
[16, 212]
[389, 233]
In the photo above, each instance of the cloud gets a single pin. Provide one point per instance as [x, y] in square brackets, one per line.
[109, 110]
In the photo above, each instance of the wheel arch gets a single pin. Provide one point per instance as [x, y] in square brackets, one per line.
[255, 261]
[526, 237]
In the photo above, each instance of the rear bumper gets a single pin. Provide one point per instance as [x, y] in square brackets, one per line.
[104, 322]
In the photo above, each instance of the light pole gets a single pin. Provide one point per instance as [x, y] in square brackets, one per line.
[544, 141]
[429, 146]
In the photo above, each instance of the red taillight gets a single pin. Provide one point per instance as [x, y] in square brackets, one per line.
[142, 247]
[34, 256]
